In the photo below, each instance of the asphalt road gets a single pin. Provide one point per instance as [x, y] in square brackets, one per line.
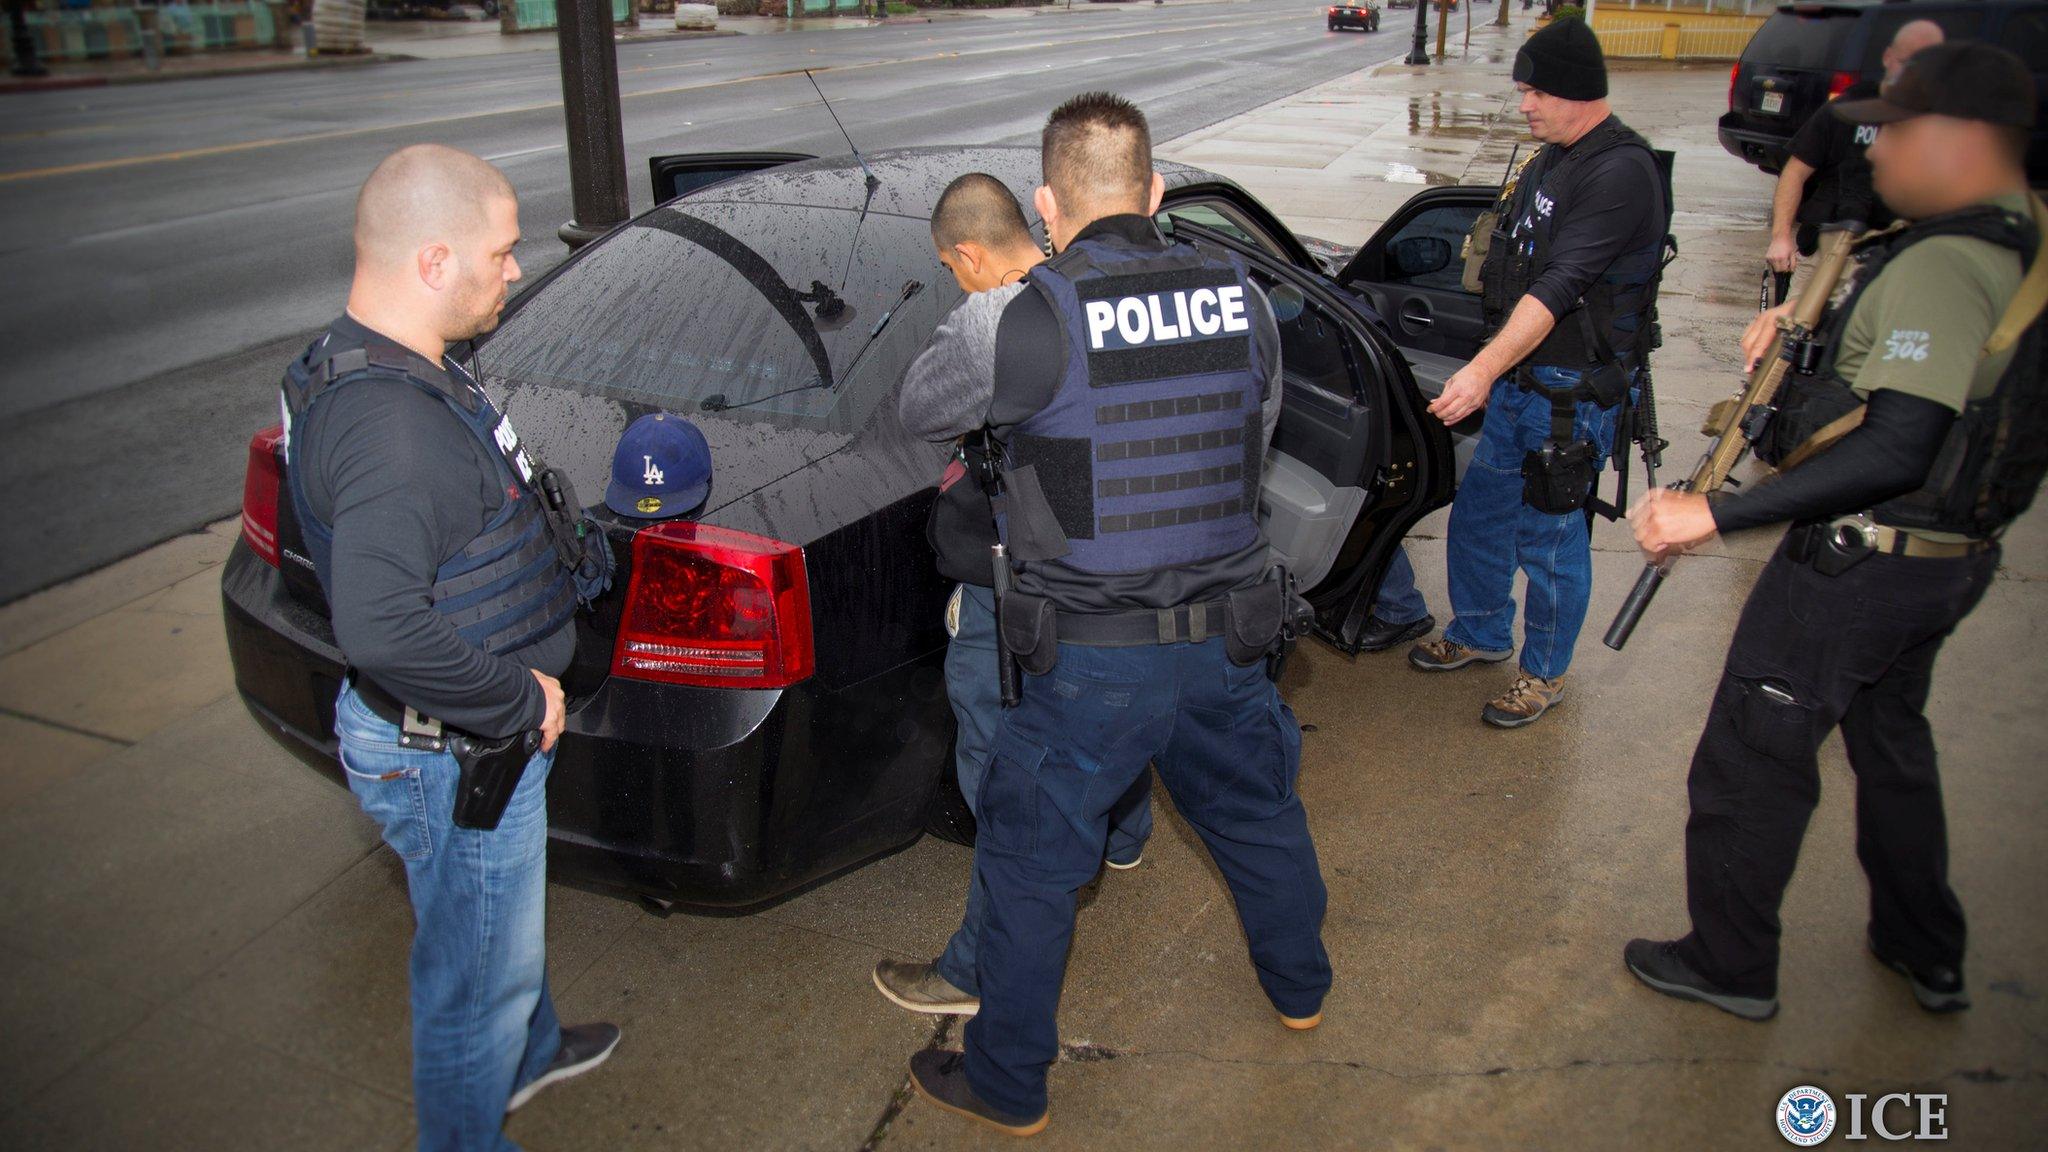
[165, 248]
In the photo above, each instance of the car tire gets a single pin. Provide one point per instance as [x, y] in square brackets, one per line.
[946, 815]
[1333, 25]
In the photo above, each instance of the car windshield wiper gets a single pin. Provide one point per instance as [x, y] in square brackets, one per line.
[716, 402]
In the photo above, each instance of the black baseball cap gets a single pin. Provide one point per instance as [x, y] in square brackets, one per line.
[1960, 78]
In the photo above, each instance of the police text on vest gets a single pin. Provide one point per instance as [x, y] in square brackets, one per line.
[1166, 317]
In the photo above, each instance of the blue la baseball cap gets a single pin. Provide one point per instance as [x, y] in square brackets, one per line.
[661, 468]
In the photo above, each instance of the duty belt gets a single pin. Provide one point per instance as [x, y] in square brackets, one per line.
[414, 730]
[1193, 623]
[1899, 542]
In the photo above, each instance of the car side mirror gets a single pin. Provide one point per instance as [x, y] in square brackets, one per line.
[1417, 256]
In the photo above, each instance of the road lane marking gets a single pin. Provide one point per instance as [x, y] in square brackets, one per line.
[345, 133]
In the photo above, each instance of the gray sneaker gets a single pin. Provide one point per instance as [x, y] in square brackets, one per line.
[1441, 655]
[584, 1046]
[920, 988]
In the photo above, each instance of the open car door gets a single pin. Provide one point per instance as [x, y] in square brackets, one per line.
[686, 172]
[1355, 461]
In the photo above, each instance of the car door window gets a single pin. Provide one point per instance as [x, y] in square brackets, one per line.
[1312, 342]
[1218, 216]
[1428, 250]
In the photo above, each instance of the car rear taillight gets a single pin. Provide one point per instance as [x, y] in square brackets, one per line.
[1734, 74]
[1839, 83]
[259, 494]
[715, 607]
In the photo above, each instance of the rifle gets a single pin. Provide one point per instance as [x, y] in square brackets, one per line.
[1751, 410]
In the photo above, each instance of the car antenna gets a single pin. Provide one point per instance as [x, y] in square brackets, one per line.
[873, 181]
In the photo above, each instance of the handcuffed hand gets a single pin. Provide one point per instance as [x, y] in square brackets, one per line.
[1666, 522]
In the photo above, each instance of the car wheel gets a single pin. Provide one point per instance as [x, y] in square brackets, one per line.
[1333, 25]
[946, 816]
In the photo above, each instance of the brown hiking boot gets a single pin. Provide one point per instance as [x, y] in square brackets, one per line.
[1530, 697]
[920, 988]
[1441, 655]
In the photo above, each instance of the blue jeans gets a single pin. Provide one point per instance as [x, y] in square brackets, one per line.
[1493, 532]
[1226, 747]
[1398, 601]
[483, 1025]
[977, 705]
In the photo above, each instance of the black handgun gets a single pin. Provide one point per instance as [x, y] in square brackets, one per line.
[1009, 678]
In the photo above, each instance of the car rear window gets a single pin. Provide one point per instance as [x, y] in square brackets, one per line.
[1792, 40]
[729, 306]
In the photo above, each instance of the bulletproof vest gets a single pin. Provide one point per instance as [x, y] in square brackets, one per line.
[1996, 453]
[1609, 323]
[1148, 455]
[506, 588]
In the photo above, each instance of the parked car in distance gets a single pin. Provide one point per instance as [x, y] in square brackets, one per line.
[759, 701]
[1364, 17]
[1806, 54]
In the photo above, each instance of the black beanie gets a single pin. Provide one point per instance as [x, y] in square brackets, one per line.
[1563, 59]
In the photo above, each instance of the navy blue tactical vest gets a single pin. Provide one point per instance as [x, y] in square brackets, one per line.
[1148, 455]
[506, 588]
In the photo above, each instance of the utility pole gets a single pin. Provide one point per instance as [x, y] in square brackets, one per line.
[1443, 25]
[1500, 18]
[1419, 54]
[590, 105]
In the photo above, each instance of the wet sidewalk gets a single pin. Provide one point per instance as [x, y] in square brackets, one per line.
[203, 944]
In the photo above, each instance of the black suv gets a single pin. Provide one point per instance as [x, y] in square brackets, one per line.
[1806, 54]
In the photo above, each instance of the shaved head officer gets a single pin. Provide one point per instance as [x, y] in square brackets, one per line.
[425, 522]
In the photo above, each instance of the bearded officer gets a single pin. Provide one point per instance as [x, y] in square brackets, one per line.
[452, 582]
[1133, 385]
[1569, 279]
[1934, 359]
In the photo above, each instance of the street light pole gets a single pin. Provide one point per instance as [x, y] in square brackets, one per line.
[1419, 54]
[590, 105]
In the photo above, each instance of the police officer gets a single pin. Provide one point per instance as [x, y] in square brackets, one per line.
[1826, 178]
[1569, 279]
[1934, 358]
[984, 241]
[1133, 385]
[451, 583]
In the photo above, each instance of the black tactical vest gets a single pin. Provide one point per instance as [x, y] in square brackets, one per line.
[1610, 323]
[1996, 454]
[523, 576]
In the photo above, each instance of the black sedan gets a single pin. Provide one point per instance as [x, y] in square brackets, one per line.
[758, 703]
[1364, 17]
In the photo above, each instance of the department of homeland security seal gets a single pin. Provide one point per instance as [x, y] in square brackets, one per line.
[1806, 1115]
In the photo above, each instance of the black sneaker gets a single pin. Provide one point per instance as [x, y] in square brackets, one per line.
[1380, 635]
[1657, 963]
[1938, 989]
[584, 1047]
[941, 1077]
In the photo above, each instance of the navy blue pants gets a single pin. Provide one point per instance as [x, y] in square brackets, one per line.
[1227, 749]
[977, 705]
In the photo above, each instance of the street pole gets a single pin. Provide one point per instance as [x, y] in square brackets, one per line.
[1419, 54]
[590, 105]
[1500, 18]
[26, 61]
[1443, 27]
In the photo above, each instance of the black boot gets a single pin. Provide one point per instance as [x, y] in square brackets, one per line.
[1380, 635]
[1938, 989]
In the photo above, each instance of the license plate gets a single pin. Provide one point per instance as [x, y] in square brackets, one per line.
[1773, 103]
